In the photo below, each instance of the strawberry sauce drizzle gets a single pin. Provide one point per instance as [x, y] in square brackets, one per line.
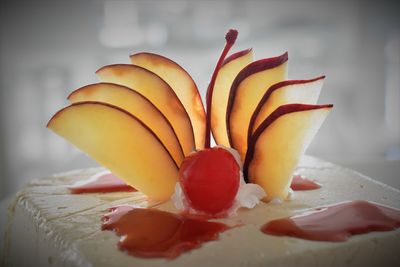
[102, 183]
[154, 233]
[336, 223]
[300, 183]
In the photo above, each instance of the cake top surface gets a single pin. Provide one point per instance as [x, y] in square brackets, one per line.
[72, 223]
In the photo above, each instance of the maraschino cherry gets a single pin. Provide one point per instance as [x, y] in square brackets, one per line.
[210, 178]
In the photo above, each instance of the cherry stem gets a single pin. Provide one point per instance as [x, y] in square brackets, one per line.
[230, 38]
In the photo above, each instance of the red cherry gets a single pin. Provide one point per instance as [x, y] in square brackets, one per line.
[210, 180]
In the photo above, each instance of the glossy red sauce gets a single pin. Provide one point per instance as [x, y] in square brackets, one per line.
[102, 183]
[300, 183]
[336, 223]
[155, 233]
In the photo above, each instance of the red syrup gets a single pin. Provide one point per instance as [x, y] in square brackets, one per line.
[300, 183]
[102, 183]
[154, 233]
[336, 223]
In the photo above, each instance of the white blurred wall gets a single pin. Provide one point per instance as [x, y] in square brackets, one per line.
[49, 48]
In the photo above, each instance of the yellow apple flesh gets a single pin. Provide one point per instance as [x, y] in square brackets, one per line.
[183, 85]
[246, 92]
[136, 104]
[120, 142]
[286, 92]
[158, 92]
[223, 83]
[277, 145]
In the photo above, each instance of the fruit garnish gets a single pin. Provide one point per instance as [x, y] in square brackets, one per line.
[246, 92]
[182, 84]
[136, 104]
[227, 73]
[214, 196]
[158, 92]
[285, 92]
[120, 142]
[282, 138]
[230, 38]
[145, 117]
[210, 180]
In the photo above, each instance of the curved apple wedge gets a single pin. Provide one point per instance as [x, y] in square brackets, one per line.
[229, 70]
[183, 85]
[286, 92]
[246, 92]
[136, 104]
[120, 142]
[154, 88]
[277, 145]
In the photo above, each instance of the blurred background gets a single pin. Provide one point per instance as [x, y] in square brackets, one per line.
[49, 48]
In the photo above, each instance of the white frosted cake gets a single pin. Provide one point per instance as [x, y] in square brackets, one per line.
[198, 205]
[51, 227]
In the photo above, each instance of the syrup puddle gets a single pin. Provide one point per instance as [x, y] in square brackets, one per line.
[337, 222]
[155, 233]
[301, 183]
[103, 182]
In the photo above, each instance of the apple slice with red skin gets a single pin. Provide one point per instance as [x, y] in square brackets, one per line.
[246, 92]
[183, 85]
[120, 142]
[154, 88]
[246, 52]
[286, 92]
[136, 104]
[229, 70]
[277, 145]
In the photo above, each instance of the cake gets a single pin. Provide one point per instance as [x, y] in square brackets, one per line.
[51, 227]
[166, 197]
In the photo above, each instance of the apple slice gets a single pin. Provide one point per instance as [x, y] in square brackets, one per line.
[183, 85]
[120, 142]
[246, 92]
[158, 92]
[277, 145]
[137, 105]
[229, 70]
[286, 92]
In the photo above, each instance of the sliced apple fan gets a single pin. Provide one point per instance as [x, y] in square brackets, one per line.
[144, 118]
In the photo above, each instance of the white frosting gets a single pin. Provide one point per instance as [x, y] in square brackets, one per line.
[276, 201]
[290, 194]
[249, 195]
[52, 228]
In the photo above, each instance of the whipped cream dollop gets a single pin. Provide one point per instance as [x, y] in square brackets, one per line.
[248, 195]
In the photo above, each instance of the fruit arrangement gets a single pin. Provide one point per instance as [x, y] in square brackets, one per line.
[146, 123]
